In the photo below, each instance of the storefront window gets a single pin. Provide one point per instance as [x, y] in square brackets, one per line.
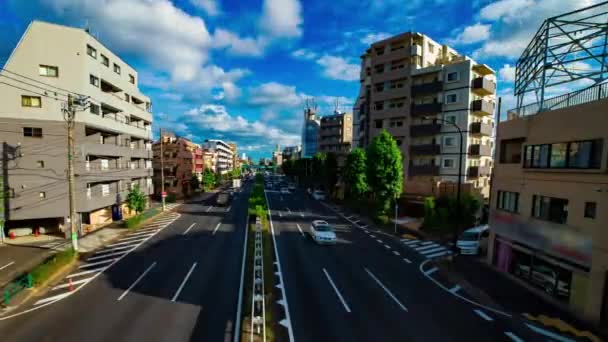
[553, 279]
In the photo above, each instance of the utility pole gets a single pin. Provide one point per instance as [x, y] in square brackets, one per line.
[162, 168]
[70, 113]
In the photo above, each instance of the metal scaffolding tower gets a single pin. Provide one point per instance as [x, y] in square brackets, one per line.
[567, 48]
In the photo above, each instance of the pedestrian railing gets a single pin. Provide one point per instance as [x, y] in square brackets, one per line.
[13, 288]
[258, 307]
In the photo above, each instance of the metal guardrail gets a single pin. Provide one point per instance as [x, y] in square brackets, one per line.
[258, 306]
[17, 286]
[590, 94]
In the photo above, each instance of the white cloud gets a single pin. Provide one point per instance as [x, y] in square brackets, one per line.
[211, 7]
[282, 18]
[371, 38]
[253, 47]
[304, 54]
[275, 94]
[507, 73]
[472, 34]
[172, 96]
[338, 68]
[505, 9]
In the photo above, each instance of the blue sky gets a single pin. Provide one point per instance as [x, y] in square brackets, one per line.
[240, 70]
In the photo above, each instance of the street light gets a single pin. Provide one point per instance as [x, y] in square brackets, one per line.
[458, 200]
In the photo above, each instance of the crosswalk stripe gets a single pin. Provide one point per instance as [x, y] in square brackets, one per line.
[427, 243]
[99, 257]
[94, 270]
[96, 263]
[432, 250]
[421, 248]
[134, 242]
[438, 254]
[51, 299]
[111, 250]
[66, 285]
[412, 242]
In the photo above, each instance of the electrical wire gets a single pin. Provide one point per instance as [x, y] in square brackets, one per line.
[43, 83]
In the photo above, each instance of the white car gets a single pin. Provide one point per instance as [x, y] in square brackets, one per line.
[318, 195]
[474, 240]
[322, 232]
[284, 191]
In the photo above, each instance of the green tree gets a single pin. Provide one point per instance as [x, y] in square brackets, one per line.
[384, 170]
[288, 167]
[354, 173]
[330, 167]
[208, 179]
[195, 184]
[318, 167]
[136, 199]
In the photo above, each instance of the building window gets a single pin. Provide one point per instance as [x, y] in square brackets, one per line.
[40, 164]
[117, 68]
[31, 101]
[510, 151]
[449, 141]
[453, 76]
[105, 190]
[451, 118]
[451, 98]
[132, 79]
[431, 48]
[379, 105]
[42, 194]
[448, 163]
[94, 80]
[399, 142]
[396, 123]
[94, 109]
[378, 123]
[91, 51]
[573, 155]
[105, 60]
[550, 208]
[508, 201]
[48, 71]
[590, 208]
[558, 155]
[127, 97]
[33, 132]
[585, 154]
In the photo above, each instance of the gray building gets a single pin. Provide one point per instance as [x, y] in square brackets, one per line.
[310, 134]
[112, 129]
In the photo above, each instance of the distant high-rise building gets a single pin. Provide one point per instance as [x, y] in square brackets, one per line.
[336, 135]
[310, 133]
[223, 155]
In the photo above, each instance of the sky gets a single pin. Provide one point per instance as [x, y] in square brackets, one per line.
[240, 70]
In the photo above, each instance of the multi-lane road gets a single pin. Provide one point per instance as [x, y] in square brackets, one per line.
[180, 285]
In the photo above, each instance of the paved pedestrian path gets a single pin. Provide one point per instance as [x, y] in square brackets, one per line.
[428, 249]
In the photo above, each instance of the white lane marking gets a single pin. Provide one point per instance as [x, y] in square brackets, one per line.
[136, 281]
[236, 333]
[482, 314]
[134, 242]
[97, 263]
[74, 282]
[380, 241]
[134, 238]
[431, 271]
[288, 210]
[181, 287]
[386, 290]
[155, 227]
[301, 214]
[364, 226]
[421, 268]
[407, 260]
[337, 292]
[432, 250]
[455, 289]
[513, 336]
[411, 242]
[99, 257]
[549, 334]
[287, 319]
[387, 246]
[372, 236]
[52, 299]
[217, 227]
[94, 270]
[229, 208]
[280, 215]
[396, 253]
[438, 254]
[139, 233]
[111, 250]
[7, 265]
[300, 229]
[210, 207]
[422, 248]
[187, 230]
[348, 217]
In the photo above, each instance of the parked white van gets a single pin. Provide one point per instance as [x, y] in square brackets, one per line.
[474, 240]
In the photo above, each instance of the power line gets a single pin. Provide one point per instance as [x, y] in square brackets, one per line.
[43, 83]
[35, 86]
[33, 92]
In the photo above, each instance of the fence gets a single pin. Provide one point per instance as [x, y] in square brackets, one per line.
[15, 287]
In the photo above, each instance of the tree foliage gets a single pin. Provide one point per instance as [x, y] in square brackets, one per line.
[195, 183]
[136, 199]
[384, 169]
[208, 179]
[330, 168]
[318, 167]
[445, 215]
[354, 173]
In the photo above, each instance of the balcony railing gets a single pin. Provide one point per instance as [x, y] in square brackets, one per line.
[482, 107]
[427, 149]
[483, 86]
[423, 170]
[478, 171]
[420, 89]
[425, 109]
[425, 130]
[593, 93]
[482, 150]
[479, 128]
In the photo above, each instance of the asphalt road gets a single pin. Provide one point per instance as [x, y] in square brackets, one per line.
[189, 275]
[362, 289]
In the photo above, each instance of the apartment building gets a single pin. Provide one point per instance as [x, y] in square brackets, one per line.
[310, 134]
[209, 159]
[292, 152]
[277, 156]
[181, 159]
[422, 93]
[223, 155]
[336, 135]
[235, 155]
[112, 129]
[549, 205]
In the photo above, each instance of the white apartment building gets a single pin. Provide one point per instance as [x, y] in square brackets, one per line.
[224, 155]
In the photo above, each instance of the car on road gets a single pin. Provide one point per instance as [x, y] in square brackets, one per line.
[544, 277]
[322, 233]
[474, 240]
[291, 187]
[223, 198]
[284, 191]
[318, 195]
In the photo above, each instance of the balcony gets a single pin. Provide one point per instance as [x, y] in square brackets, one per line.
[478, 171]
[390, 75]
[482, 86]
[425, 130]
[479, 128]
[425, 109]
[480, 150]
[482, 107]
[423, 170]
[388, 94]
[426, 149]
[427, 88]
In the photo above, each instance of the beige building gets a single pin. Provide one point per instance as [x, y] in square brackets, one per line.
[112, 128]
[336, 135]
[417, 89]
[224, 155]
[181, 159]
[550, 198]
